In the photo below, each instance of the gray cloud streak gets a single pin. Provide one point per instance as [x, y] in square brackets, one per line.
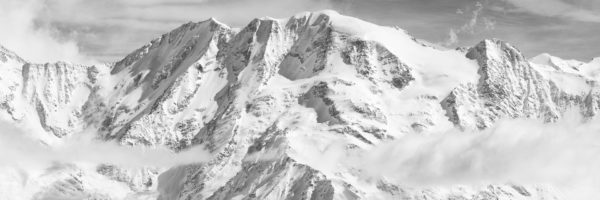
[582, 10]
[469, 26]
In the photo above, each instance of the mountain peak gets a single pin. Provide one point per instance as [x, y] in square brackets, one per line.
[338, 22]
[316, 13]
[4, 49]
[495, 49]
[497, 43]
[214, 21]
[544, 59]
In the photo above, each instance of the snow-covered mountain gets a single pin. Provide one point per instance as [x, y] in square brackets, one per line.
[274, 103]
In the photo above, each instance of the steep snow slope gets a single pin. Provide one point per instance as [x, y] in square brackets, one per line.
[163, 93]
[276, 103]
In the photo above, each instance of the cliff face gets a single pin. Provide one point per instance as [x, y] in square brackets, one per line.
[510, 86]
[267, 99]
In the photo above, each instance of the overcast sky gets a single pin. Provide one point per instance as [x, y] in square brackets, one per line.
[107, 30]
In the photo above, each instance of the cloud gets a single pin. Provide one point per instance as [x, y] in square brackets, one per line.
[19, 150]
[20, 34]
[452, 38]
[489, 23]
[563, 155]
[581, 10]
[469, 26]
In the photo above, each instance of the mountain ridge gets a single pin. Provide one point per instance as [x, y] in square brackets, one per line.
[268, 98]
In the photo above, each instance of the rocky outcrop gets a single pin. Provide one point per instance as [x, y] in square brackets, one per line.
[58, 92]
[509, 87]
[142, 179]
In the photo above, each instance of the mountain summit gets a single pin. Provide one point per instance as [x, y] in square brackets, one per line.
[277, 103]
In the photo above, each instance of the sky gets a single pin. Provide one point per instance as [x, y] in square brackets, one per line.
[84, 31]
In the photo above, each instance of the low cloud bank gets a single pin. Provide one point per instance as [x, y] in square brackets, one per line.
[565, 155]
[580, 10]
[19, 150]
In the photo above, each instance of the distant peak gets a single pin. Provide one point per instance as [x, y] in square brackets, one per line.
[544, 59]
[4, 52]
[213, 20]
[557, 63]
[495, 42]
[544, 55]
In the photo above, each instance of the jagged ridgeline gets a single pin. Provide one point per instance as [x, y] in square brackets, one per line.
[266, 99]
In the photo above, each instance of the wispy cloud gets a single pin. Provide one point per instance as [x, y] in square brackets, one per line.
[582, 10]
[470, 26]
